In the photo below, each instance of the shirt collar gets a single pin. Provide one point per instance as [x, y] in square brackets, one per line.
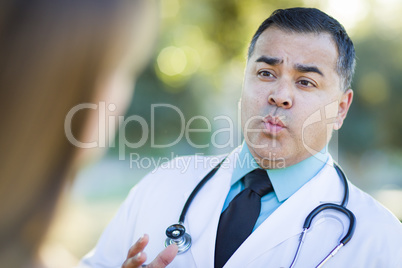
[285, 181]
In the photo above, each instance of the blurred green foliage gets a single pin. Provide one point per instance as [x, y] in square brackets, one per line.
[200, 56]
[375, 117]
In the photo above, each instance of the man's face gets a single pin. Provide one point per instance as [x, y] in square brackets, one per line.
[292, 97]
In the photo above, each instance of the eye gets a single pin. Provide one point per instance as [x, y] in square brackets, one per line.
[306, 83]
[265, 73]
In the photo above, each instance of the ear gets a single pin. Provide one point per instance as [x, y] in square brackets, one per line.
[344, 104]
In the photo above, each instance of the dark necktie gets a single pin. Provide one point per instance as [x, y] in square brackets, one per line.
[237, 221]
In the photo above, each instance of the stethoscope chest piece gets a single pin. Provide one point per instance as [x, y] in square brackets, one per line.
[176, 234]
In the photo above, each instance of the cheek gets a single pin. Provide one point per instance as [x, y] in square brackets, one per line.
[252, 105]
[313, 129]
[315, 137]
[253, 96]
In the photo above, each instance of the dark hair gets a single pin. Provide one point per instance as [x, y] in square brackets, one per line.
[312, 20]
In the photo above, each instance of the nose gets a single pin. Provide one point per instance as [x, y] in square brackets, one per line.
[281, 96]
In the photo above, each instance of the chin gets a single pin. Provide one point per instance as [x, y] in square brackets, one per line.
[267, 156]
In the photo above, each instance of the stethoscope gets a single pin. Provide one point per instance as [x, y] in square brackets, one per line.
[176, 233]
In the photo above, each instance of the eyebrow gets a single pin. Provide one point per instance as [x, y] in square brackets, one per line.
[269, 60]
[308, 69]
[299, 67]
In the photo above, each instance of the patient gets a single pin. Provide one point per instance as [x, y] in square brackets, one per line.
[54, 55]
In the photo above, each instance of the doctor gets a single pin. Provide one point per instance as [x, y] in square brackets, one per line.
[296, 88]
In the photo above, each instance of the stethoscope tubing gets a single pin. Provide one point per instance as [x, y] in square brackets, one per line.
[342, 208]
[197, 189]
[176, 232]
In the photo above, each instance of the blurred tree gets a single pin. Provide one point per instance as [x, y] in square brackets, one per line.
[375, 117]
[201, 44]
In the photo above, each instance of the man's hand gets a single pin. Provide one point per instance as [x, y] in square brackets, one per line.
[136, 257]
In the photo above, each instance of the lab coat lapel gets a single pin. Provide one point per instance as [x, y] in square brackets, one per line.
[203, 215]
[287, 221]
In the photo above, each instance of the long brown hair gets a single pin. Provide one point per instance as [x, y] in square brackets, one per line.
[52, 55]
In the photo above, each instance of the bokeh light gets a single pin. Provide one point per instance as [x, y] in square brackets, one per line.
[374, 88]
[172, 61]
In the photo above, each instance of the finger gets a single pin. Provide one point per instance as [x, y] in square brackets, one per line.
[138, 246]
[165, 257]
[135, 261]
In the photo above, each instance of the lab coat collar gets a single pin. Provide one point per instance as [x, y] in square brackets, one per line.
[285, 181]
[287, 221]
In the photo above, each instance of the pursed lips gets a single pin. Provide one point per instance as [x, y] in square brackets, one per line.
[273, 124]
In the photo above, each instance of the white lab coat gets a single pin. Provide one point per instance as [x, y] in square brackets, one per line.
[157, 201]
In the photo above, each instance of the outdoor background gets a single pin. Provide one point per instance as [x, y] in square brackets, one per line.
[198, 67]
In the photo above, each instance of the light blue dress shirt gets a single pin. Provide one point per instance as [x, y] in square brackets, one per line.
[285, 181]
